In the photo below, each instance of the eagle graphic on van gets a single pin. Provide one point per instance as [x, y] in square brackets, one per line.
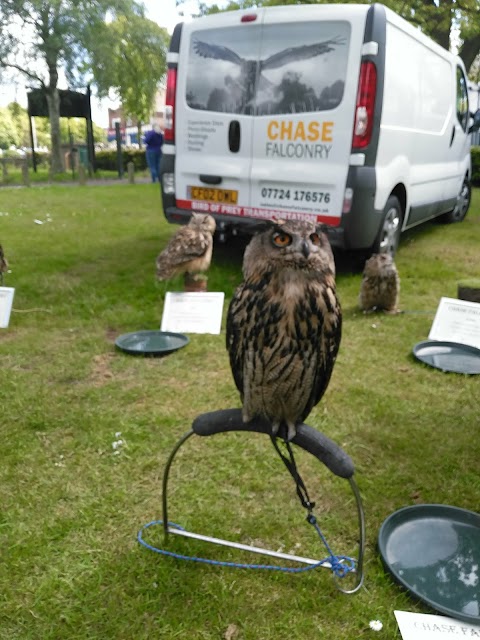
[251, 72]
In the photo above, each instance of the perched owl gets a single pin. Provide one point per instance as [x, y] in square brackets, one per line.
[190, 248]
[3, 263]
[284, 324]
[380, 286]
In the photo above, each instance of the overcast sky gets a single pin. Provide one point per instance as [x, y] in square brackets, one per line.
[164, 12]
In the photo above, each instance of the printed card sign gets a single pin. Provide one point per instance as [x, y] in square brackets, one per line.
[194, 312]
[422, 626]
[457, 321]
[6, 301]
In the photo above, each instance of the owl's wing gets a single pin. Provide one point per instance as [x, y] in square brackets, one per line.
[236, 322]
[215, 51]
[328, 344]
[303, 52]
[186, 245]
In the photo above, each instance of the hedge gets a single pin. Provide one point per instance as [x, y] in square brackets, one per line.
[476, 166]
[107, 160]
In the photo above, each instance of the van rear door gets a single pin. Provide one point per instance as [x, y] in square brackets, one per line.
[214, 108]
[308, 69]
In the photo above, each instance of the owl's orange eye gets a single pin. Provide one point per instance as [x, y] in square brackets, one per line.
[315, 238]
[281, 239]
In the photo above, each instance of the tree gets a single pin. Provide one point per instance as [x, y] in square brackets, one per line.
[40, 38]
[439, 19]
[133, 61]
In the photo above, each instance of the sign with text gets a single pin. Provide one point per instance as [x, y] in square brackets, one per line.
[457, 321]
[6, 301]
[422, 626]
[193, 312]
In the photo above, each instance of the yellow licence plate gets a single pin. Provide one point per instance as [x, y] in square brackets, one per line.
[225, 196]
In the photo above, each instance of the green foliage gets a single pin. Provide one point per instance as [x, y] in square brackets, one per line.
[131, 59]
[38, 38]
[71, 507]
[107, 160]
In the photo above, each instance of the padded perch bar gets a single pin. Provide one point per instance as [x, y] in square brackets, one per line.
[309, 439]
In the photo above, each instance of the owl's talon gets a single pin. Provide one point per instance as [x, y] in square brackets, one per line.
[291, 433]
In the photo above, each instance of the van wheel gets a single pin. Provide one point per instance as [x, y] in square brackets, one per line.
[459, 212]
[389, 236]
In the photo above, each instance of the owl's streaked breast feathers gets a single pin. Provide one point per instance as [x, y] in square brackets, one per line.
[284, 324]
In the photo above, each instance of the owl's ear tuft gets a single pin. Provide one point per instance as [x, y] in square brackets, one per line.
[322, 228]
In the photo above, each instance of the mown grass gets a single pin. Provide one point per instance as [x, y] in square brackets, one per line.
[70, 507]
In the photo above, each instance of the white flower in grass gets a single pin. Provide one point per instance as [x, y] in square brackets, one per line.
[376, 625]
[118, 434]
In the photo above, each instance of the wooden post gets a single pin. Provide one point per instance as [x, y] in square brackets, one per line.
[195, 282]
[131, 172]
[82, 175]
[25, 176]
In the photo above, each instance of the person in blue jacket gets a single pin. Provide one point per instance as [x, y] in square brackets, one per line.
[154, 141]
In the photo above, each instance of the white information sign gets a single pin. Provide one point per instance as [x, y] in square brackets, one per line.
[195, 312]
[6, 301]
[457, 321]
[422, 626]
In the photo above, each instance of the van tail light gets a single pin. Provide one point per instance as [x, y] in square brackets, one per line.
[169, 133]
[367, 89]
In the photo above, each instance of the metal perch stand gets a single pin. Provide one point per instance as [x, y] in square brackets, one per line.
[307, 438]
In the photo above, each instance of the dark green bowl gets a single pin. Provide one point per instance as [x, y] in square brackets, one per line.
[150, 343]
[448, 356]
[433, 551]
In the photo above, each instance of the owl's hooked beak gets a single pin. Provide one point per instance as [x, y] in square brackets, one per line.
[305, 249]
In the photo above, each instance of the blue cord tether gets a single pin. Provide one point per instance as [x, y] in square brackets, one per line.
[339, 569]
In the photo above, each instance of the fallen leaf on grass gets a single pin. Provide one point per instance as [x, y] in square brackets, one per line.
[231, 633]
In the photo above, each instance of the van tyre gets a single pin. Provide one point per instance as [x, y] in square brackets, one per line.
[389, 235]
[459, 212]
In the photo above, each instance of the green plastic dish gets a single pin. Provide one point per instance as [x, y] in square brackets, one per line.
[150, 343]
[448, 356]
[433, 551]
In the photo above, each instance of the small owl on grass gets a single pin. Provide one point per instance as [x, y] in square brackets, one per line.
[3, 264]
[380, 286]
[189, 250]
[284, 324]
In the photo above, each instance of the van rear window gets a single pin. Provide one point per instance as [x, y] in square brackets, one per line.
[268, 69]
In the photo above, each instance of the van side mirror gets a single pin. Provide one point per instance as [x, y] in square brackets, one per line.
[476, 122]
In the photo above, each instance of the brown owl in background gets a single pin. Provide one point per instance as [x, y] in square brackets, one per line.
[284, 324]
[189, 250]
[380, 286]
[3, 264]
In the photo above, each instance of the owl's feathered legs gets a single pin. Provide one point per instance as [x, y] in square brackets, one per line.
[291, 430]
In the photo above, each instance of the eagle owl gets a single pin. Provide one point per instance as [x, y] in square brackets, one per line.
[3, 264]
[380, 286]
[284, 324]
[190, 248]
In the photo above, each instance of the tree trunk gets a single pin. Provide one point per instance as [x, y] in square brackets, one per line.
[53, 101]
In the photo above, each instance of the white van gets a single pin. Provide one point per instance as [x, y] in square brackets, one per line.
[345, 114]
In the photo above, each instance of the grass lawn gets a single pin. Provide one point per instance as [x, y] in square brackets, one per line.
[71, 505]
